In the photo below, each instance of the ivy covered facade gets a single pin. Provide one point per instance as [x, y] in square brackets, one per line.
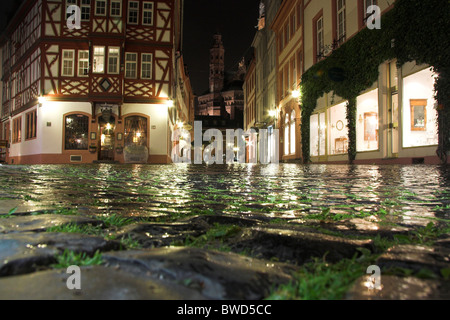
[354, 87]
[377, 95]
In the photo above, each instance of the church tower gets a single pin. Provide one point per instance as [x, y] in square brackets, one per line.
[217, 65]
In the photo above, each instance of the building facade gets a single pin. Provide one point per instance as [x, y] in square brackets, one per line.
[260, 85]
[182, 114]
[101, 92]
[396, 117]
[288, 29]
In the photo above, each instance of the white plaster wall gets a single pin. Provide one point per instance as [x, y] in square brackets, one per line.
[55, 16]
[51, 137]
[24, 147]
[352, 25]
[31, 146]
[160, 23]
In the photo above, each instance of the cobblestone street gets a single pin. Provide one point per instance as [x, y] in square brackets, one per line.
[274, 225]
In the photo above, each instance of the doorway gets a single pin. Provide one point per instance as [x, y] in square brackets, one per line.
[393, 111]
[4, 144]
[107, 138]
[318, 133]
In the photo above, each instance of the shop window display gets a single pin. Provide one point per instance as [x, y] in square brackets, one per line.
[338, 131]
[367, 124]
[318, 135]
[419, 113]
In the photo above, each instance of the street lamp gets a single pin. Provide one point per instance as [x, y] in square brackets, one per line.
[42, 99]
[296, 94]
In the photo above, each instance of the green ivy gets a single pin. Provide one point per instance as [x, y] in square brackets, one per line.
[419, 31]
[351, 120]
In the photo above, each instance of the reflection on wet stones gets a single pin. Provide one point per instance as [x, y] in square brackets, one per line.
[42, 222]
[401, 288]
[27, 252]
[99, 283]
[288, 213]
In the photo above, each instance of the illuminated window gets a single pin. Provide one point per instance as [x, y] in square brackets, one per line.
[286, 135]
[318, 129]
[367, 127]
[338, 129]
[419, 112]
[99, 60]
[17, 130]
[293, 133]
[135, 131]
[76, 132]
[31, 122]
[314, 135]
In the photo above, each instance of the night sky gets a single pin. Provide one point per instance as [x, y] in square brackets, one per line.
[234, 19]
[7, 10]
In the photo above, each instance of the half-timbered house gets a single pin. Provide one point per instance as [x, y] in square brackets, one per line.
[100, 92]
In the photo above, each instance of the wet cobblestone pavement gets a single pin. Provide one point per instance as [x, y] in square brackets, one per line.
[286, 214]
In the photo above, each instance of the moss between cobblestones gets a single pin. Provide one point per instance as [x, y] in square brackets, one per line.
[70, 258]
[320, 280]
[315, 280]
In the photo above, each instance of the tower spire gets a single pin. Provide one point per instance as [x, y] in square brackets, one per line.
[217, 65]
